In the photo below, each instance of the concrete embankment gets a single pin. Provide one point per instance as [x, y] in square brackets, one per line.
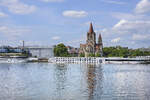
[127, 60]
[21, 59]
[37, 60]
[13, 56]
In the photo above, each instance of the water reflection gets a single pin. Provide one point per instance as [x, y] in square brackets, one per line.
[60, 79]
[42, 81]
[91, 80]
[94, 82]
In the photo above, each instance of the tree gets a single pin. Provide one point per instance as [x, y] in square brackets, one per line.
[97, 55]
[61, 51]
[91, 55]
[82, 55]
[119, 51]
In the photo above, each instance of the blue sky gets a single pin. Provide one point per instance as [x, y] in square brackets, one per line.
[49, 22]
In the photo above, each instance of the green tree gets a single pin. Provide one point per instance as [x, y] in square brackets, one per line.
[119, 51]
[146, 53]
[82, 55]
[97, 55]
[61, 51]
[106, 51]
[91, 55]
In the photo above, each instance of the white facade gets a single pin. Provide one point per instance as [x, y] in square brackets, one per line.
[41, 52]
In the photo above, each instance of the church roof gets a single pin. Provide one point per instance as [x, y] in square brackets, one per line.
[100, 37]
[82, 44]
[91, 28]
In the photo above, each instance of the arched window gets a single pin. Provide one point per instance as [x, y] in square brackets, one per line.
[90, 48]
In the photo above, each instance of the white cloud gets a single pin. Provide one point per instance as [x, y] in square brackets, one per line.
[3, 14]
[17, 7]
[137, 31]
[143, 6]
[131, 27]
[52, 0]
[116, 40]
[87, 23]
[120, 23]
[113, 2]
[34, 43]
[11, 32]
[141, 37]
[129, 16]
[56, 38]
[75, 14]
[76, 42]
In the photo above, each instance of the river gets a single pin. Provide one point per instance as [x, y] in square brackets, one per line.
[44, 81]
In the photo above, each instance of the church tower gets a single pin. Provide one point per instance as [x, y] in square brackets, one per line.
[91, 40]
[100, 40]
[92, 47]
[91, 35]
[100, 43]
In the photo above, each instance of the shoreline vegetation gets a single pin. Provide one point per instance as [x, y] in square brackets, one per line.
[124, 52]
[60, 50]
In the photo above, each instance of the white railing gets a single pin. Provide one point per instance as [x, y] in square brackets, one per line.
[97, 60]
[75, 60]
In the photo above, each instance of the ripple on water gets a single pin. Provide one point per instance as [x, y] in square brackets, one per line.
[42, 81]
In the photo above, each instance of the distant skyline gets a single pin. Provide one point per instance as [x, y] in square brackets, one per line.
[49, 22]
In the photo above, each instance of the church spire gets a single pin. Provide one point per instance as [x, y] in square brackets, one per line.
[91, 28]
[100, 39]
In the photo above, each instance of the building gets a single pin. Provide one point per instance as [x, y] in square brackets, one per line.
[40, 51]
[91, 46]
[73, 51]
[8, 49]
[4, 49]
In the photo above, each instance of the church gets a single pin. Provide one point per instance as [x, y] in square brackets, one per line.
[91, 46]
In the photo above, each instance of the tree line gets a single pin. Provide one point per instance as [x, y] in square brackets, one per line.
[119, 51]
[61, 50]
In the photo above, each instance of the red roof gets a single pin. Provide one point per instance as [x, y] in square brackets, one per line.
[91, 28]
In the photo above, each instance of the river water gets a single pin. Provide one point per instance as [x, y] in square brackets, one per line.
[43, 81]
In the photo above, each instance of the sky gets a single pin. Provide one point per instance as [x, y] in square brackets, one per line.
[49, 22]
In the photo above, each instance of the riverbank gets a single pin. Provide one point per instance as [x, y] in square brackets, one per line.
[13, 55]
[38, 60]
